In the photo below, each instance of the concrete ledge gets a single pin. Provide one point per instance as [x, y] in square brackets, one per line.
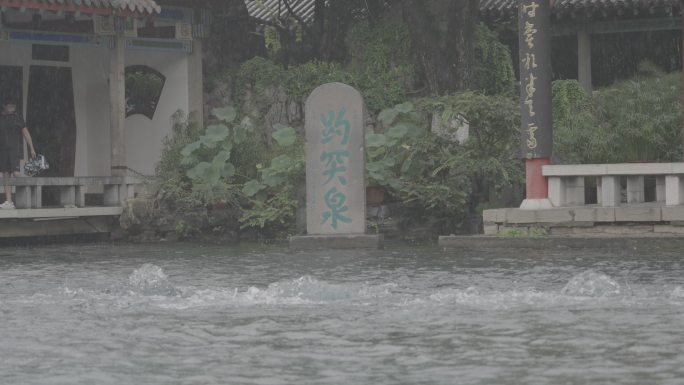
[519, 216]
[342, 241]
[490, 216]
[58, 227]
[613, 169]
[628, 243]
[595, 214]
[673, 213]
[67, 212]
[637, 214]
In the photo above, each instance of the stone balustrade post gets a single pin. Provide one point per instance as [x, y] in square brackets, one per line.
[674, 189]
[556, 191]
[610, 190]
[574, 190]
[635, 189]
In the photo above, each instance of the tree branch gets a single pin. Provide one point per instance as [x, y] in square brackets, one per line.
[297, 17]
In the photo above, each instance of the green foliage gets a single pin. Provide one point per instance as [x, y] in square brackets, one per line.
[380, 61]
[257, 74]
[302, 79]
[493, 67]
[537, 231]
[437, 179]
[173, 183]
[633, 120]
[276, 210]
[272, 40]
[514, 232]
[207, 159]
[494, 140]
[273, 195]
[574, 123]
[532, 231]
[185, 230]
[387, 155]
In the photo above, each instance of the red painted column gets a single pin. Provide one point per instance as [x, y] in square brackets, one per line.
[536, 185]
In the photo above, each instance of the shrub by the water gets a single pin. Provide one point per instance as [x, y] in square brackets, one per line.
[633, 120]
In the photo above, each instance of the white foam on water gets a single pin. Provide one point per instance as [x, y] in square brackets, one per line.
[591, 284]
[150, 279]
[584, 288]
[300, 291]
[149, 286]
[473, 297]
[677, 293]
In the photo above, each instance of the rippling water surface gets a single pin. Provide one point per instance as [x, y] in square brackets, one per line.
[190, 314]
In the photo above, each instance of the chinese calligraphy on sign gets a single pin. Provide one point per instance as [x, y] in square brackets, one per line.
[532, 140]
[335, 201]
[530, 31]
[535, 89]
[335, 125]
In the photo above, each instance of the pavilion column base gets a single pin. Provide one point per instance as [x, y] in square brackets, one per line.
[536, 204]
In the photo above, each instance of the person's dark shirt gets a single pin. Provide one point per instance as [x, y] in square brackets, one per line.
[10, 131]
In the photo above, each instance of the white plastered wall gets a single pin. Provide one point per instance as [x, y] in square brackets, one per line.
[144, 137]
[90, 72]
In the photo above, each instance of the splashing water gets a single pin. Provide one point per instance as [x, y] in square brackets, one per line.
[406, 317]
[150, 279]
[591, 284]
[678, 293]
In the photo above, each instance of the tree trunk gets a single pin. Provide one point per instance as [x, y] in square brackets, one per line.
[442, 32]
[336, 20]
[232, 39]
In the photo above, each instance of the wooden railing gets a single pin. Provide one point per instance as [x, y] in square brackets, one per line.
[567, 183]
[28, 190]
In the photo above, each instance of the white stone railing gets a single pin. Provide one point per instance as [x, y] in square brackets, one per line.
[567, 183]
[28, 190]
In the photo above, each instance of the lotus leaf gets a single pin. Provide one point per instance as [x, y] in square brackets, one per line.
[227, 114]
[285, 136]
[190, 148]
[252, 187]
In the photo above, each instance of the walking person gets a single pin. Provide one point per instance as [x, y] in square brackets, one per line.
[12, 128]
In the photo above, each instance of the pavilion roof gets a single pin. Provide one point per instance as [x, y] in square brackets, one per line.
[268, 9]
[506, 9]
[105, 7]
[490, 9]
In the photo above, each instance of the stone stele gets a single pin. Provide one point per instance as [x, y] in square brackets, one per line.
[335, 165]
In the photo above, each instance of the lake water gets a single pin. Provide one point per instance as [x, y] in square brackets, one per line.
[192, 314]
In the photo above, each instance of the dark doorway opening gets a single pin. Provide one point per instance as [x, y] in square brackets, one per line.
[11, 79]
[51, 120]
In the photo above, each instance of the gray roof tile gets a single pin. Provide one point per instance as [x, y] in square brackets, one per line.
[509, 7]
[269, 9]
[142, 6]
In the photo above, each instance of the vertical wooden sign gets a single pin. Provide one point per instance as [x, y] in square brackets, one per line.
[535, 78]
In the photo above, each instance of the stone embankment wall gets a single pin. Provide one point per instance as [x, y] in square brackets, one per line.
[624, 220]
[144, 220]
